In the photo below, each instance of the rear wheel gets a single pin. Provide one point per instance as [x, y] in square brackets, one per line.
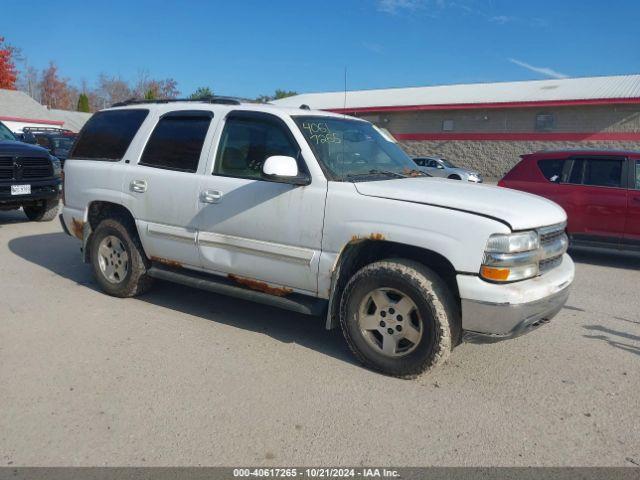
[44, 211]
[118, 260]
[398, 317]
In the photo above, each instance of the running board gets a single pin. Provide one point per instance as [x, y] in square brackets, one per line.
[295, 302]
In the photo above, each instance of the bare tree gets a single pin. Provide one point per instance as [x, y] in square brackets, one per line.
[56, 92]
[110, 90]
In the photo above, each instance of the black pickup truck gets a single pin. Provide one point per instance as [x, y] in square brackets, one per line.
[30, 178]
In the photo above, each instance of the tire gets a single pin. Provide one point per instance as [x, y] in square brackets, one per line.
[454, 177]
[119, 262]
[434, 314]
[46, 211]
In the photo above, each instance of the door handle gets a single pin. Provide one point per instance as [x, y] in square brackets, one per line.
[139, 186]
[210, 196]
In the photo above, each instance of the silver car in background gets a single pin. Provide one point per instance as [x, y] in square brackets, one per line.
[440, 167]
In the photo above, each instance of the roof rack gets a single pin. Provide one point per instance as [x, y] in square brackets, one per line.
[64, 131]
[212, 99]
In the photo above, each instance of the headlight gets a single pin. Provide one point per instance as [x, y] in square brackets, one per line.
[57, 166]
[511, 257]
[474, 177]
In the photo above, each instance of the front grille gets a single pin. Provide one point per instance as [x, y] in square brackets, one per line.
[553, 244]
[25, 168]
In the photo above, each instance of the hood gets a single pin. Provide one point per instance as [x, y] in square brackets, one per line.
[520, 210]
[19, 149]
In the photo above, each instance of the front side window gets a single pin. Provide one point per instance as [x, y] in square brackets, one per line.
[551, 168]
[177, 140]
[107, 135]
[351, 150]
[247, 142]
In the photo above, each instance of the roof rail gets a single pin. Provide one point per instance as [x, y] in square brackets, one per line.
[46, 129]
[211, 99]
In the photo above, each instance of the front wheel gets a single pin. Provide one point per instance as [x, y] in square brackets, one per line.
[399, 317]
[454, 177]
[45, 211]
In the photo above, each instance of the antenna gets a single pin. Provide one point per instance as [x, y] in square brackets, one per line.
[344, 109]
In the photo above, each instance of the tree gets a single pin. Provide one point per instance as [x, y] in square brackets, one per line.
[55, 91]
[150, 94]
[201, 93]
[162, 89]
[277, 95]
[8, 73]
[284, 94]
[110, 90]
[83, 103]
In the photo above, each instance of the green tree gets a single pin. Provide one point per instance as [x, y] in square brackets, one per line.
[201, 93]
[83, 103]
[150, 94]
[283, 94]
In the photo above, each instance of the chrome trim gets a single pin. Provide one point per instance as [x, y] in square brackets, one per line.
[495, 321]
[510, 259]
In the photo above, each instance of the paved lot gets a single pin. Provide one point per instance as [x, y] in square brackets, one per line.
[183, 377]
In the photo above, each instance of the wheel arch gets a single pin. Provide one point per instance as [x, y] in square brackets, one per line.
[357, 254]
[97, 211]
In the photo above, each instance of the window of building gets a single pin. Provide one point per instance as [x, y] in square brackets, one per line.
[545, 122]
[177, 140]
[551, 169]
[107, 135]
[448, 125]
[247, 142]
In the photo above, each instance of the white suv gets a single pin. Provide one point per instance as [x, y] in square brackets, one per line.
[317, 213]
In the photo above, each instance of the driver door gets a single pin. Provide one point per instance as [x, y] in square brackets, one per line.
[252, 229]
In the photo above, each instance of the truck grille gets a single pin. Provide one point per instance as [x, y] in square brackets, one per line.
[25, 168]
[553, 244]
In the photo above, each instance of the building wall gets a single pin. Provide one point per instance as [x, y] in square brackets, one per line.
[510, 132]
[494, 158]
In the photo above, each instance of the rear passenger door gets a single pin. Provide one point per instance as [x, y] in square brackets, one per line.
[632, 228]
[160, 186]
[594, 193]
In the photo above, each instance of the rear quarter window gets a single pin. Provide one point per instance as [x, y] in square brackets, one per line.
[107, 135]
[551, 169]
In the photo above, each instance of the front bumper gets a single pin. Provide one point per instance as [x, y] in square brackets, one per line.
[40, 190]
[493, 312]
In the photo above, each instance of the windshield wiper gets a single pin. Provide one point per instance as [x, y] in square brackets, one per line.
[376, 172]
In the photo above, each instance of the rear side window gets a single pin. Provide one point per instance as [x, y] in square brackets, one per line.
[177, 140]
[107, 135]
[551, 169]
[598, 172]
[603, 172]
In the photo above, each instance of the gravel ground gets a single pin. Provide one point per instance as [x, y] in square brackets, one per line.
[184, 377]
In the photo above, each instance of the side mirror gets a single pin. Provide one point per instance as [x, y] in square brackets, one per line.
[282, 169]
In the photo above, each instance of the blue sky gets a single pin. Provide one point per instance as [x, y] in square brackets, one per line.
[246, 48]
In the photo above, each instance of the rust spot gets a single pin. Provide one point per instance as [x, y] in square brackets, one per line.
[260, 286]
[167, 262]
[373, 236]
[77, 226]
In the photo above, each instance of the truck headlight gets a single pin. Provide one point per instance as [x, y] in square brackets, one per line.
[57, 166]
[511, 257]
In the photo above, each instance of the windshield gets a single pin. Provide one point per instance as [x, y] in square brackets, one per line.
[62, 143]
[353, 150]
[5, 133]
[447, 163]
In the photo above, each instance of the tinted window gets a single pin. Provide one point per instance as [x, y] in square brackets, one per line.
[246, 143]
[637, 174]
[576, 172]
[420, 161]
[551, 169]
[107, 135]
[5, 133]
[176, 142]
[603, 172]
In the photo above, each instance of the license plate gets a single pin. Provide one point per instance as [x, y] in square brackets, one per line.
[20, 189]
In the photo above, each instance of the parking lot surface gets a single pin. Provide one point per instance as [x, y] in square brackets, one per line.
[185, 377]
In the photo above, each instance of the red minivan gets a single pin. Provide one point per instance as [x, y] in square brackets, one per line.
[599, 189]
